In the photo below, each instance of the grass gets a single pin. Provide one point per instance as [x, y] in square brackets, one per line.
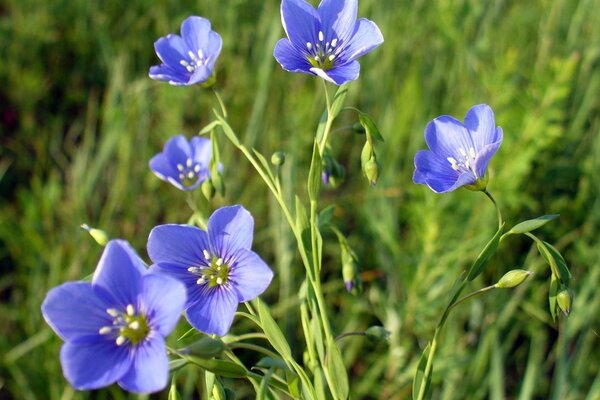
[80, 120]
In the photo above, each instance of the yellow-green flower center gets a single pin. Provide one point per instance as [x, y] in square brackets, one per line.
[323, 54]
[128, 327]
[214, 274]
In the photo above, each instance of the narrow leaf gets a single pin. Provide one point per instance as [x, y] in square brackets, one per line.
[371, 129]
[561, 265]
[314, 174]
[420, 377]
[532, 224]
[337, 371]
[176, 364]
[222, 368]
[485, 255]
[228, 131]
[338, 100]
[209, 127]
[272, 330]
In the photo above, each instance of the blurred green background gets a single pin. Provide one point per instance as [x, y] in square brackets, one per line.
[80, 119]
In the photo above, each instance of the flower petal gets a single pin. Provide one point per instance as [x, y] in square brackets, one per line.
[201, 74]
[485, 155]
[213, 48]
[338, 18]
[171, 49]
[74, 311]
[300, 22]
[119, 273]
[194, 31]
[201, 150]
[165, 73]
[289, 58]
[182, 245]
[214, 311]
[161, 167]
[163, 299]
[149, 371]
[437, 173]
[249, 275]
[94, 365]
[229, 229]
[177, 149]
[441, 185]
[340, 74]
[366, 38]
[480, 121]
[446, 136]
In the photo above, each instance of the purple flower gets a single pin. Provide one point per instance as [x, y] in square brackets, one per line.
[327, 41]
[114, 327]
[459, 153]
[184, 164]
[189, 58]
[217, 267]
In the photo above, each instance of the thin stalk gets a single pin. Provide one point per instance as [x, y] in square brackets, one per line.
[489, 195]
[473, 294]
[347, 334]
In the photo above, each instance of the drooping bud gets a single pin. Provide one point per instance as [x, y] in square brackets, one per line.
[206, 347]
[208, 189]
[372, 171]
[378, 333]
[350, 271]
[564, 299]
[98, 235]
[278, 158]
[513, 279]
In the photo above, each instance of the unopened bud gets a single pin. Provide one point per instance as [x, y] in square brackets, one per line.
[564, 299]
[378, 333]
[372, 171]
[98, 235]
[350, 272]
[513, 279]
[206, 347]
[208, 189]
[278, 158]
[217, 180]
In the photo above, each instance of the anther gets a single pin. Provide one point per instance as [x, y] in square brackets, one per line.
[112, 312]
[197, 168]
[180, 167]
[200, 54]
[219, 261]
[184, 63]
[135, 325]
[188, 162]
[332, 57]
[130, 310]
[334, 42]
[120, 340]
[105, 330]
[192, 55]
[201, 281]
[309, 45]
[206, 254]
[321, 36]
[190, 174]
[219, 281]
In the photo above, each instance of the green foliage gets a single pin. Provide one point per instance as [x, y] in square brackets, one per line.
[80, 119]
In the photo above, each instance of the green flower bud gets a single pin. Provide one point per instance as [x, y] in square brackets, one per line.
[378, 333]
[564, 299]
[513, 279]
[206, 347]
[208, 189]
[98, 235]
[350, 272]
[217, 181]
[372, 171]
[278, 158]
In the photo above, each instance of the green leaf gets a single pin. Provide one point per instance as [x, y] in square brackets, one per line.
[228, 131]
[485, 255]
[563, 270]
[263, 390]
[532, 224]
[265, 164]
[314, 175]
[173, 394]
[370, 127]
[176, 364]
[337, 371]
[209, 127]
[326, 215]
[338, 100]
[269, 362]
[222, 368]
[272, 330]
[420, 375]
[321, 127]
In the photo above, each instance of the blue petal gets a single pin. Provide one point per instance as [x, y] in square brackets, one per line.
[163, 299]
[249, 275]
[201, 74]
[177, 149]
[340, 74]
[337, 18]
[485, 155]
[229, 229]
[436, 172]
[214, 311]
[194, 292]
[161, 167]
[445, 136]
[74, 311]
[440, 185]
[213, 48]
[366, 38]
[194, 31]
[300, 21]
[480, 121]
[119, 273]
[289, 58]
[201, 150]
[171, 49]
[149, 371]
[182, 245]
[175, 77]
[94, 365]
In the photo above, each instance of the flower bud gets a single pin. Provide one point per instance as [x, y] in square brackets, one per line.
[350, 272]
[377, 333]
[206, 347]
[208, 189]
[513, 279]
[278, 158]
[372, 171]
[98, 235]
[564, 299]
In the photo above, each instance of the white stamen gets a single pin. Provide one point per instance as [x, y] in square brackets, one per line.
[130, 310]
[190, 174]
[334, 42]
[104, 330]
[201, 281]
[197, 168]
[219, 261]
[453, 163]
[462, 152]
[317, 59]
[188, 162]
[321, 37]
[190, 68]
[200, 54]
[326, 45]
[219, 281]
[181, 176]
[309, 45]
[184, 63]
[180, 167]
[135, 325]
[206, 254]
[193, 269]
[120, 340]
[112, 312]
[472, 152]
[192, 55]
[331, 57]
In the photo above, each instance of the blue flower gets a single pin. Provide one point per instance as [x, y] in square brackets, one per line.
[189, 58]
[217, 267]
[114, 327]
[459, 153]
[184, 164]
[327, 41]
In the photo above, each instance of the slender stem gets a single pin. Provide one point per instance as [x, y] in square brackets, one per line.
[473, 294]
[221, 104]
[347, 334]
[489, 195]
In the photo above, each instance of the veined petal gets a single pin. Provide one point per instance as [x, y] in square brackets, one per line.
[290, 58]
[149, 371]
[229, 229]
[171, 49]
[366, 37]
[300, 22]
[119, 273]
[340, 74]
[486, 153]
[182, 245]
[165, 73]
[440, 184]
[201, 150]
[213, 48]
[437, 173]
[161, 167]
[448, 137]
[163, 299]
[195, 31]
[480, 121]
[249, 275]
[338, 18]
[214, 310]
[177, 149]
[94, 365]
[74, 311]
[201, 74]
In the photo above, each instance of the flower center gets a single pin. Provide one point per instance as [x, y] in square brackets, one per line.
[189, 173]
[216, 273]
[465, 163]
[323, 54]
[195, 60]
[129, 326]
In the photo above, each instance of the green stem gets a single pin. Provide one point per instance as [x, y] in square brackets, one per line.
[473, 294]
[328, 123]
[489, 195]
[347, 334]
